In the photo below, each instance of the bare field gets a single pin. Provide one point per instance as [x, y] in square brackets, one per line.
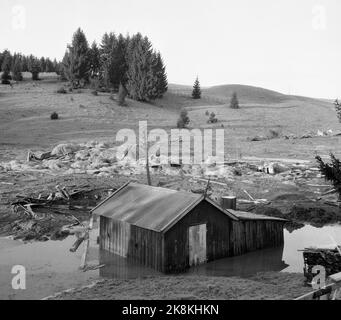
[25, 119]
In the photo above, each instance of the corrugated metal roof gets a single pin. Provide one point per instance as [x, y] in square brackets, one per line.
[158, 209]
[252, 216]
[147, 207]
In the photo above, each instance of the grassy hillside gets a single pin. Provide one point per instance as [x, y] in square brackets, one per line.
[25, 121]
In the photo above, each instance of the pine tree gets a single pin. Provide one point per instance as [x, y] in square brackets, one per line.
[196, 94]
[161, 76]
[42, 64]
[141, 80]
[234, 104]
[34, 67]
[77, 62]
[24, 64]
[338, 109]
[1, 60]
[17, 69]
[95, 62]
[106, 59]
[331, 171]
[6, 68]
[49, 66]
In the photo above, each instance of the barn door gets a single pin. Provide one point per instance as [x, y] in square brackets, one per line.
[197, 244]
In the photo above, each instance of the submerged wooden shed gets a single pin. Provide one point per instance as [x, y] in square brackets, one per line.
[172, 230]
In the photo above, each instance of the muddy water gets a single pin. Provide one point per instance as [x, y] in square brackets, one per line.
[283, 259]
[307, 237]
[50, 268]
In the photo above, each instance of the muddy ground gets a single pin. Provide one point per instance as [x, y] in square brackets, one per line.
[263, 286]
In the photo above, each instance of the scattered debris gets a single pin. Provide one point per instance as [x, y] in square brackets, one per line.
[329, 258]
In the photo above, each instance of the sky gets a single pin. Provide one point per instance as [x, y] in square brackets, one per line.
[291, 46]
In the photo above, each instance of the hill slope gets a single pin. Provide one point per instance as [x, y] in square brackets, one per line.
[246, 94]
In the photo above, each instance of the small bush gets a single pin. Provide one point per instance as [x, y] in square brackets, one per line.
[62, 90]
[273, 134]
[7, 82]
[234, 104]
[207, 113]
[54, 116]
[184, 120]
[212, 118]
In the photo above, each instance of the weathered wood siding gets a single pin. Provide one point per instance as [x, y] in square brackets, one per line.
[169, 252]
[251, 235]
[218, 237]
[137, 244]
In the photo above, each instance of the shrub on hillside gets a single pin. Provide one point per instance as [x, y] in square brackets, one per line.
[62, 90]
[234, 104]
[54, 116]
[212, 118]
[273, 134]
[183, 120]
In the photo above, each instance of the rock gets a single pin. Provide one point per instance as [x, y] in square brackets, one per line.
[65, 149]
[52, 164]
[82, 155]
[258, 138]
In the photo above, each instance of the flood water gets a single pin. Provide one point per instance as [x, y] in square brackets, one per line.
[51, 267]
[283, 259]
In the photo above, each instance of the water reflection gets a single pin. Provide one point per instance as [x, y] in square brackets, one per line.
[245, 265]
[121, 268]
[286, 259]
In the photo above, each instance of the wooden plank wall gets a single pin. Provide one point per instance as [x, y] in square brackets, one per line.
[137, 244]
[251, 235]
[218, 237]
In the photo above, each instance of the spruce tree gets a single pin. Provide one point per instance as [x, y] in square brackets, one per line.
[161, 75]
[6, 68]
[77, 62]
[234, 104]
[34, 67]
[42, 64]
[141, 80]
[331, 172]
[94, 57]
[17, 69]
[196, 93]
[107, 53]
[338, 109]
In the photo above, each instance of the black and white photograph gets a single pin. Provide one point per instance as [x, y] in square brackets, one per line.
[184, 151]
